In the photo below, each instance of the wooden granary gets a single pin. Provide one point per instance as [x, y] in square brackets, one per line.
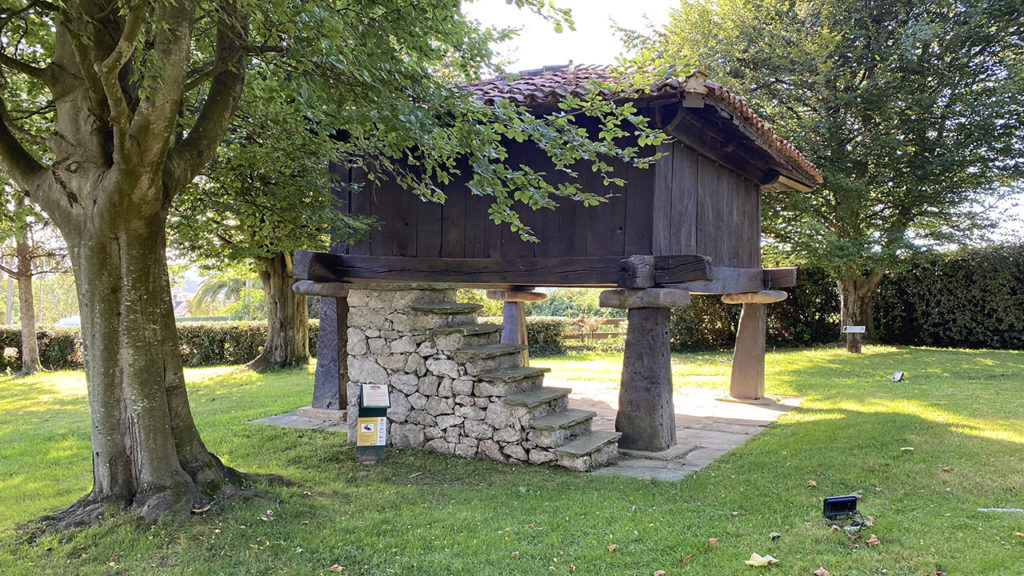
[688, 225]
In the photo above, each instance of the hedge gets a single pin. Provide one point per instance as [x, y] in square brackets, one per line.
[810, 315]
[202, 344]
[544, 333]
[965, 299]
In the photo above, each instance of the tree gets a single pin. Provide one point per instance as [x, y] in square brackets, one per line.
[22, 227]
[911, 110]
[135, 96]
[265, 196]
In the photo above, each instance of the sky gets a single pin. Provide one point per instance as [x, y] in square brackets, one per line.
[593, 41]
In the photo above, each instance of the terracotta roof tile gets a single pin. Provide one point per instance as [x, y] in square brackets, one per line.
[546, 86]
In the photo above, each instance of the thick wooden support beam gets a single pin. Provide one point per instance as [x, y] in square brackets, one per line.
[747, 380]
[513, 327]
[324, 289]
[646, 415]
[598, 272]
[646, 271]
[330, 383]
[649, 298]
[762, 297]
[516, 296]
[779, 278]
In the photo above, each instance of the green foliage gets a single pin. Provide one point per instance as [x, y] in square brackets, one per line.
[911, 110]
[491, 308]
[59, 349]
[573, 303]
[970, 298]
[808, 316]
[545, 335]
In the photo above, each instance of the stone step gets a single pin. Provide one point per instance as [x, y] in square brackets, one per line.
[589, 452]
[509, 375]
[487, 351]
[563, 420]
[538, 397]
[488, 358]
[450, 338]
[466, 330]
[506, 381]
[447, 308]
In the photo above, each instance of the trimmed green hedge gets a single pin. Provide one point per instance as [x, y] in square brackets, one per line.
[810, 315]
[202, 344]
[544, 333]
[965, 299]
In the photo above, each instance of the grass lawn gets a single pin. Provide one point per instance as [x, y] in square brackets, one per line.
[961, 411]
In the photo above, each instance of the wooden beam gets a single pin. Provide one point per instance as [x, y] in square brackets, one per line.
[647, 298]
[598, 272]
[779, 278]
[516, 296]
[326, 289]
[726, 280]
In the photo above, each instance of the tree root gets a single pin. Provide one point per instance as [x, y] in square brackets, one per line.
[82, 513]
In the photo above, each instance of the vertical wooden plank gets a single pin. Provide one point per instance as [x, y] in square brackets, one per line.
[755, 191]
[381, 197]
[477, 226]
[512, 245]
[606, 222]
[662, 222]
[708, 231]
[683, 237]
[428, 230]
[639, 210]
[404, 206]
[453, 217]
[361, 205]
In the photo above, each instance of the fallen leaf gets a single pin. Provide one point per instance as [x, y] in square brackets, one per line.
[735, 514]
[336, 568]
[687, 559]
[948, 469]
[836, 528]
[811, 484]
[713, 542]
[878, 489]
[572, 567]
[613, 547]
[821, 572]
[515, 554]
[1020, 534]
[415, 474]
[201, 509]
[659, 573]
[758, 560]
[873, 541]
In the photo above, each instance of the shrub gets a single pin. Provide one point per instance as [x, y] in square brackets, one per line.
[59, 348]
[971, 298]
[544, 333]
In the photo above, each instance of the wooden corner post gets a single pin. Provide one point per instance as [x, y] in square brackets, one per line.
[747, 379]
[646, 416]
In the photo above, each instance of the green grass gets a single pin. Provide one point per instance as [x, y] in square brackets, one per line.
[429, 514]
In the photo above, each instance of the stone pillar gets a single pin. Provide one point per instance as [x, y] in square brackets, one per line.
[747, 380]
[646, 416]
[513, 316]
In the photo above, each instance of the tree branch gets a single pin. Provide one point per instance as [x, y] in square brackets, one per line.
[19, 164]
[25, 68]
[188, 158]
[108, 70]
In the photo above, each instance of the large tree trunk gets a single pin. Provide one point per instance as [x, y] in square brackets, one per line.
[856, 309]
[29, 344]
[146, 450]
[287, 317]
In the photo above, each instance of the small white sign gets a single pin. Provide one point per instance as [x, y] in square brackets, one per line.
[854, 329]
[376, 396]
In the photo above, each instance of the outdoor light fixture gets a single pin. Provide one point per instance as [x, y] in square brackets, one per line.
[840, 508]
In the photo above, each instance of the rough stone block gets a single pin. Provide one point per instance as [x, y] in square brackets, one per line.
[490, 450]
[479, 430]
[506, 435]
[465, 401]
[393, 362]
[466, 451]
[445, 389]
[516, 451]
[449, 368]
[432, 433]
[415, 365]
[453, 434]
[438, 445]
[541, 456]
[470, 412]
[407, 383]
[378, 346]
[418, 401]
[366, 371]
[463, 387]
[436, 406]
[426, 349]
[448, 420]
[498, 415]
[356, 342]
[400, 407]
[428, 385]
[422, 418]
[406, 436]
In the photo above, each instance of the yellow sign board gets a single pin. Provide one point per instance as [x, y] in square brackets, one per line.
[372, 431]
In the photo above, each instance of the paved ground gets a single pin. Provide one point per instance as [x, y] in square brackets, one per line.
[706, 427]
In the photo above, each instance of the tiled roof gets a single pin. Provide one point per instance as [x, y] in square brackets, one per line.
[546, 86]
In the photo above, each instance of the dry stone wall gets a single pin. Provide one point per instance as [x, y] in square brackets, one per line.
[450, 382]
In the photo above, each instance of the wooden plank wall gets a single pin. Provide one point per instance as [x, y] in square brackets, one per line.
[686, 204]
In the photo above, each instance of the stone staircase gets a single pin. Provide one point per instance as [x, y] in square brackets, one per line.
[524, 421]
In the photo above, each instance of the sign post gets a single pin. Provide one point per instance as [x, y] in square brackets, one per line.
[372, 424]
